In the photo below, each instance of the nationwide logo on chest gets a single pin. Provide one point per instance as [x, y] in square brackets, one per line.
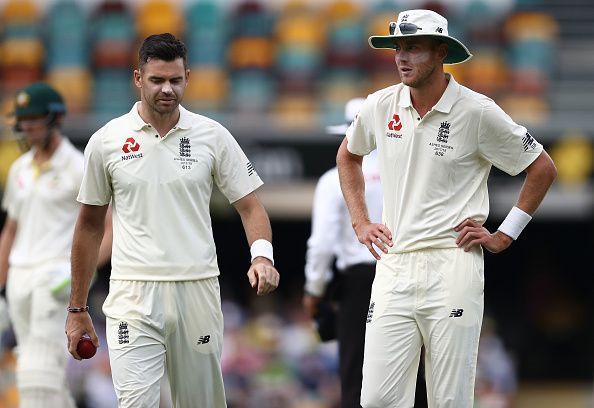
[394, 126]
[185, 154]
[440, 146]
[130, 147]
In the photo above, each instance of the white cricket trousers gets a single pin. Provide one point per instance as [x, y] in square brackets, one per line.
[432, 297]
[178, 325]
[38, 318]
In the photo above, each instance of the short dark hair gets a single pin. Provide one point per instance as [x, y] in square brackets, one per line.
[162, 46]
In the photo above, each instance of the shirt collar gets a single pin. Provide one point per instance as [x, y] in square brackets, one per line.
[404, 101]
[138, 123]
[449, 96]
[444, 104]
[185, 118]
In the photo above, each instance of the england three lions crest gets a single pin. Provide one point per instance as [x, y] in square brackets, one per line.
[440, 146]
[444, 132]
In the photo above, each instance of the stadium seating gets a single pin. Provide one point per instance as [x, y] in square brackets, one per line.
[159, 16]
[296, 59]
[21, 51]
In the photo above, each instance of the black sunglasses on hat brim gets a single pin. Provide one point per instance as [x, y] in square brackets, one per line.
[457, 52]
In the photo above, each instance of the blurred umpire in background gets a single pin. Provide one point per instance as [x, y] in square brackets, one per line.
[436, 143]
[332, 237]
[158, 164]
[41, 206]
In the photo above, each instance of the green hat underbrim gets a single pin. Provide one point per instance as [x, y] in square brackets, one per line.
[457, 52]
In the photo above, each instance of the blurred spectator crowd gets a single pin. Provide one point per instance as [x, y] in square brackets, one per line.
[271, 359]
[295, 59]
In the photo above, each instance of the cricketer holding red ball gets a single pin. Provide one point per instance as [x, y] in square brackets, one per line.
[158, 165]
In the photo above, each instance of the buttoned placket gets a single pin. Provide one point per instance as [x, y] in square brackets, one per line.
[419, 121]
[416, 117]
[156, 135]
[173, 129]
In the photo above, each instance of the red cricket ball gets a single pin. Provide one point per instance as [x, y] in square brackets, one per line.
[85, 348]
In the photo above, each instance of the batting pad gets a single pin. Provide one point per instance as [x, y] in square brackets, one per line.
[40, 398]
[40, 364]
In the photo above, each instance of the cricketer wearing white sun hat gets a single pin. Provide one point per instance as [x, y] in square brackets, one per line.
[415, 23]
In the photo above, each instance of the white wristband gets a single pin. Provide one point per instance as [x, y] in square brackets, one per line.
[514, 223]
[262, 247]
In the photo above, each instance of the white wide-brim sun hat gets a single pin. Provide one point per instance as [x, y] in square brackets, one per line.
[416, 23]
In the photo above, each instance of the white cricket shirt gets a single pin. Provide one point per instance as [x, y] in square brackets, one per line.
[332, 235]
[160, 190]
[434, 170]
[43, 203]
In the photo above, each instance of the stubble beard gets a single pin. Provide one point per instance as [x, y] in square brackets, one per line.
[162, 110]
[423, 74]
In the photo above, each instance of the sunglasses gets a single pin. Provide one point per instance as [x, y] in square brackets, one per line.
[405, 28]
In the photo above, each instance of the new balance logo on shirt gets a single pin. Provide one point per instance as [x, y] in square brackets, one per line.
[203, 339]
[456, 312]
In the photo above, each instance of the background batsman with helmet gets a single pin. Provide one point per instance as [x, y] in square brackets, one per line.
[436, 143]
[41, 206]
